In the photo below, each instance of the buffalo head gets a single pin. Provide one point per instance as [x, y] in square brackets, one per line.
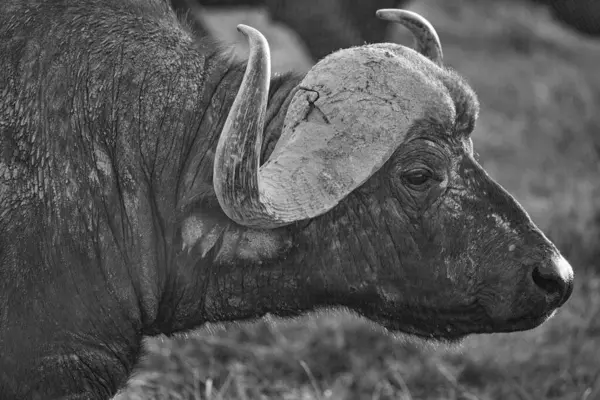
[375, 160]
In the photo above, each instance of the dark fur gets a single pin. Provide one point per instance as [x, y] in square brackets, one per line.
[74, 239]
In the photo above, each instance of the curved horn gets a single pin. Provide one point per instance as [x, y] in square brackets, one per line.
[343, 123]
[427, 41]
[246, 195]
[235, 169]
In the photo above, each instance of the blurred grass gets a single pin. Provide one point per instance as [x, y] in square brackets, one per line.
[539, 136]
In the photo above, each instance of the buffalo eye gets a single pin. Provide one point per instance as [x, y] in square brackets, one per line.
[417, 178]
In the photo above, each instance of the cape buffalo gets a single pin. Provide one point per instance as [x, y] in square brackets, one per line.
[149, 186]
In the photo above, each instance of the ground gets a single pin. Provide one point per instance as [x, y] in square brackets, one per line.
[539, 136]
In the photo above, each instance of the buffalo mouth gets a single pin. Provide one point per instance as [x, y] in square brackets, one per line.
[452, 328]
[523, 323]
[450, 337]
[446, 326]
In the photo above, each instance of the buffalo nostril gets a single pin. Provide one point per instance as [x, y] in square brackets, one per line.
[548, 282]
[555, 278]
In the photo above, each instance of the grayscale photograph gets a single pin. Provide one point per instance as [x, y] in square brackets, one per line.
[299, 200]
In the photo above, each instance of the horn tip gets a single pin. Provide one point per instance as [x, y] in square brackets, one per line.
[248, 31]
[392, 14]
[252, 33]
[382, 12]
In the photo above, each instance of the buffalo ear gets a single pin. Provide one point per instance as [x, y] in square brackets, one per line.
[202, 230]
[205, 230]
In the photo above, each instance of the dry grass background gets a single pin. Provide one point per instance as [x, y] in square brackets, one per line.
[539, 136]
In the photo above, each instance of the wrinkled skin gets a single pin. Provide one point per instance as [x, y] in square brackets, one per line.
[110, 229]
[444, 223]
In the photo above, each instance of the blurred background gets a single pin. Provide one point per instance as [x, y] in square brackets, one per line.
[535, 65]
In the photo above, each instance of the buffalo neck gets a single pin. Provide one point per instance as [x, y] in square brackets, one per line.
[315, 268]
[197, 287]
[207, 289]
[318, 270]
